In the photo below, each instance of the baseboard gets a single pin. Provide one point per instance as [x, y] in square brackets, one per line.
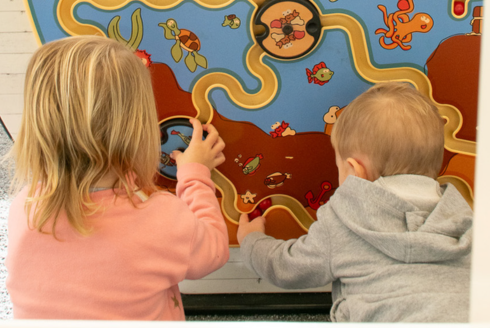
[256, 303]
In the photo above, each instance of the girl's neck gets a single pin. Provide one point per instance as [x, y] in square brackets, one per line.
[106, 182]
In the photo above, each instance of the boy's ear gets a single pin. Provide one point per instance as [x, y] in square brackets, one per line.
[358, 168]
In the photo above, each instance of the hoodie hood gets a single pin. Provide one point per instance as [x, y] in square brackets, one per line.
[401, 229]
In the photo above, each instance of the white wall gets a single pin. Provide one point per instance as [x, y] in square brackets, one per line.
[17, 43]
[480, 278]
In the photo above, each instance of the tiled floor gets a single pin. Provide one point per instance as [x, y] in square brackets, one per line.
[6, 306]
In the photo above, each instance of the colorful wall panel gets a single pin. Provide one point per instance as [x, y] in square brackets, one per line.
[273, 76]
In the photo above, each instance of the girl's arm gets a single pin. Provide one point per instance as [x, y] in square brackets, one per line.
[209, 247]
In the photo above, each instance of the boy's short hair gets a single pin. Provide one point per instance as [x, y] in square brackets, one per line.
[89, 109]
[396, 127]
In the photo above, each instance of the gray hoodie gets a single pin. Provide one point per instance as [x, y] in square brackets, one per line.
[397, 249]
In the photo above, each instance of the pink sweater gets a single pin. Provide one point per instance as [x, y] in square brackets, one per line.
[129, 267]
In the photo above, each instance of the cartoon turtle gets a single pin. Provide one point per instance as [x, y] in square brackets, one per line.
[231, 21]
[186, 40]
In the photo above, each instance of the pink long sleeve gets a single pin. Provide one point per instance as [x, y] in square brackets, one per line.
[130, 266]
[210, 240]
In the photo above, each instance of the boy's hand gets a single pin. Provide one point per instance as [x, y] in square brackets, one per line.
[245, 226]
[208, 152]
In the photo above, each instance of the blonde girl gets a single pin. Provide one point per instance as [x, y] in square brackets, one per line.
[90, 237]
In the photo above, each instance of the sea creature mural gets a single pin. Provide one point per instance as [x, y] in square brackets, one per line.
[184, 40]
[260, 209]
[185, 139]
[136, 37]
[281, 130]
[316, 202]
[330, 118]
[477, 21]
[321, 74]
[459, 7]
[145, 57]
[401, 26]
[277, 179]
[292, 18]
[232, 21]
[166, 160]
[286, 40]
[286, 25]
[136, 30]
[252, 164]
[248, 197]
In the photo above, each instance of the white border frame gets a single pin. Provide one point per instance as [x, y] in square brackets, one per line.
[480, 284]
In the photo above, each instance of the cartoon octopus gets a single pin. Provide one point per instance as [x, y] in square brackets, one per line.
[401, 26]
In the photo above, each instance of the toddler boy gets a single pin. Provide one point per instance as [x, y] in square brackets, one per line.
[395, 244]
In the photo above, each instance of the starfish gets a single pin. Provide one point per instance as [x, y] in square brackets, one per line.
[248, 197]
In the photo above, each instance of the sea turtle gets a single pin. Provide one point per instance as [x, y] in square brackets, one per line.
[186, 40]
[231, 21]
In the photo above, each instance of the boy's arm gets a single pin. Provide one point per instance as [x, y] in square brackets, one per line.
[209, 248]
[295, 263]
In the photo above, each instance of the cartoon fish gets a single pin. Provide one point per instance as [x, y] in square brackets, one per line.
[252, 164]
[277, 179]
[232, 21]
[185, 139]
[321, 74]
[166, 160]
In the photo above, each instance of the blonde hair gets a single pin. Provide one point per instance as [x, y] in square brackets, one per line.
[89, 110]
[397, 128]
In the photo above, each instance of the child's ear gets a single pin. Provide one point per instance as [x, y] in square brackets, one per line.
[358, 168]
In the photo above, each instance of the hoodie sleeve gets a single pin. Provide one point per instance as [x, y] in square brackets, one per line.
[209, 247]
[295, 263]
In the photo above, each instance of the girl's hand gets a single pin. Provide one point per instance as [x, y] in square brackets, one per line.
[208, 152]
[245, 226]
